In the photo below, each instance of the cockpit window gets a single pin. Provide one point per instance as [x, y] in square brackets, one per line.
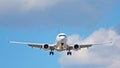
[62, 35]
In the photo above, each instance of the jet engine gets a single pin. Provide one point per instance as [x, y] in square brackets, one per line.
[76, 46]
[46, 46]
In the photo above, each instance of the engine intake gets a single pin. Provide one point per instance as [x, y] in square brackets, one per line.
[46, 46]
[76, 46]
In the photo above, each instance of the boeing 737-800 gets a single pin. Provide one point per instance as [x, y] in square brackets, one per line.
[60, 45]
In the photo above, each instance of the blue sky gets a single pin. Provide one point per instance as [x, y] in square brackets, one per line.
[39, 21]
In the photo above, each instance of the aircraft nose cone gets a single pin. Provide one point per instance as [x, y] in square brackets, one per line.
[62, 37]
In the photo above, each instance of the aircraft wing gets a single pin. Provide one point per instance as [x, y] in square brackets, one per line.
[89, 45]
[36, 45]
[86, 46]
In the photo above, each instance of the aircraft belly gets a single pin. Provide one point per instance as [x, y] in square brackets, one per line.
[61, 45]
[60, 48]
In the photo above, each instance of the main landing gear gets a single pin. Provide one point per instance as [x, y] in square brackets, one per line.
[69, 53]
[51, 53]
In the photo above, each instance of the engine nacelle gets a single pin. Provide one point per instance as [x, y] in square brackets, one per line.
[76, 46]
[46, 46]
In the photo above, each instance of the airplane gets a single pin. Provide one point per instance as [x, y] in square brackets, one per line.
[60, 45]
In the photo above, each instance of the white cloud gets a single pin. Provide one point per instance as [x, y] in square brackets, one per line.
[80, 13]
[85, 5]
[102, 56]
[26, 5]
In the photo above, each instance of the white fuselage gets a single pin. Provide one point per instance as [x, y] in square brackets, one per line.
[61, 40]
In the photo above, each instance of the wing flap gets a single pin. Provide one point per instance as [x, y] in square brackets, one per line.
[37, 46]
[85, 46]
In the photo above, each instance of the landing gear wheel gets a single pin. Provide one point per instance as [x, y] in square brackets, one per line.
[69, 53]
[51, 53]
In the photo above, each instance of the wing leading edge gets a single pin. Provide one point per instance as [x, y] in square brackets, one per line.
[36, 45]
[90, 45]
[85, 46]
[53, 46]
